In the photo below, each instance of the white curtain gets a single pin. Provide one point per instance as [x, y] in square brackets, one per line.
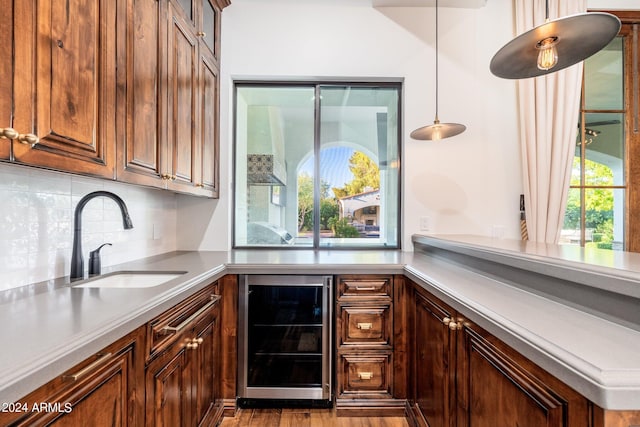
[549, 107]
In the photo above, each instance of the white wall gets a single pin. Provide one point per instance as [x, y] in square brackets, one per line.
[36, 223]
[467, 184]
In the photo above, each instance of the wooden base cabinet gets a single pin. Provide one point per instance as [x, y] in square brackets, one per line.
[463, 376]
[105, 390]
[183, 376]
[366, 378]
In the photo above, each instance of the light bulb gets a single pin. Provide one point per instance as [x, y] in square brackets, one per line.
[548, 55]
[436, 134]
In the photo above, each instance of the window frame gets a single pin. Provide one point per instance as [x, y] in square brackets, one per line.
[317, 84]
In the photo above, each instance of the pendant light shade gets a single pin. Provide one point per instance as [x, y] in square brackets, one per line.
[554, 45]
[437, 130]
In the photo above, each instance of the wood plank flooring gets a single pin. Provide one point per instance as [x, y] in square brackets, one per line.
[306, 418]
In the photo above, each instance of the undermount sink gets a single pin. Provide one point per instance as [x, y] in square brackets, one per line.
[130, 279]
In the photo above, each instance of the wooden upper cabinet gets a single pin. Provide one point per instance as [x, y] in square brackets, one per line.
[168, 96]
[192, 97]
[6, 82]
[64, 88]
[141, 110]
[182, 87]
[207, 168]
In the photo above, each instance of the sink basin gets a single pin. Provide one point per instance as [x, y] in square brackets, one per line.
[130, 279]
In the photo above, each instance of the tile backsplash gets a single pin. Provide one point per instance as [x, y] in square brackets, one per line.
[36, 223]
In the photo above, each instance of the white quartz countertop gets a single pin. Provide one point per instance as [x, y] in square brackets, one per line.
[51, 326]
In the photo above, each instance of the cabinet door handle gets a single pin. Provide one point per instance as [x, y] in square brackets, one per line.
[174, 330]
[365, 375]
[28, 139]
[454, 326]
[9, 133]
[201, 34]
[365, 326]
[365, 288]
[103, 358]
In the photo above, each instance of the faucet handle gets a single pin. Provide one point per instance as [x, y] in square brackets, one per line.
[94, 260]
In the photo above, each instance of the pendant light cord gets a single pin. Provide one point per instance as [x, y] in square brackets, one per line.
[546, 11]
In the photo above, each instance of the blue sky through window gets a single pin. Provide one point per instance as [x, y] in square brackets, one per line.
[334, 166]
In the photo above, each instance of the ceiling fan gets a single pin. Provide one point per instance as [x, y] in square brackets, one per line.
[591, 133]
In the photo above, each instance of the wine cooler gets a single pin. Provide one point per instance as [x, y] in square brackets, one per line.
[285, 340]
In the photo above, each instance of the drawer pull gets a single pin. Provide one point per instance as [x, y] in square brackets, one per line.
[365, 326]
[194, 343]
[8, 133]
[365, 288]
[451, 324]
[365, 375]
[175, 329]
[102, 358]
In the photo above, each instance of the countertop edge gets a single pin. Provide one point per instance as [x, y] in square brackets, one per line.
[601, 387]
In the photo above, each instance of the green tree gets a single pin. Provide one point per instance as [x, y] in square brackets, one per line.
[341, 228]
[305, 202]
[366, 174]
[328, 209]
[328, 205]
[598, 201]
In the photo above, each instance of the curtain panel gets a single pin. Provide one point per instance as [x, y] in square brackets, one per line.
[549, 108]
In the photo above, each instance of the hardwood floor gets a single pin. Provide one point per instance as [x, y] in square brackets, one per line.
[306, 418]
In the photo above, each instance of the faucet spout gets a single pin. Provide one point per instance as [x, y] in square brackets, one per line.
[77, 260]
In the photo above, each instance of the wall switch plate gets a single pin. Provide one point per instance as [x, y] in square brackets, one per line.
[425, 223]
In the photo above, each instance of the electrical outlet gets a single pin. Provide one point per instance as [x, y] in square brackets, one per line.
[425, 223]
[157, 232]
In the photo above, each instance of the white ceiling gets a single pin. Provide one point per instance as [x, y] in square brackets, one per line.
[469, 4]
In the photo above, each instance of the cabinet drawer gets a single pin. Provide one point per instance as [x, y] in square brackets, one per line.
[362, 375]
[359, 287]
[365, 326]
[165, 329]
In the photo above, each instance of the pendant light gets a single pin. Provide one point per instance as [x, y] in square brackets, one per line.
[437, 130]
[555, 45]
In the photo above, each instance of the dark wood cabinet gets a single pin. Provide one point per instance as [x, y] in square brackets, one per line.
[169, 98]
[498, 386]
[125, 90]
[105, 390]
[183, 373]
[192, 96]
[365, 344]
[64, 84]
[433, 364]
[463, 376]
[141, 106]
[6, 83]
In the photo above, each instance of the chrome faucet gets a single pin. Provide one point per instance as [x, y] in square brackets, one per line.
[77, 260]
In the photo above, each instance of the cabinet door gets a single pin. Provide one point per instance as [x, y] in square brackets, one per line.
[104, 391]
[6, 82]
[434, 361]
[208, 159]
[65, 84]
[208, 406]
[182, 102]
[498, 387]
[168, 390]
[142, 112]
